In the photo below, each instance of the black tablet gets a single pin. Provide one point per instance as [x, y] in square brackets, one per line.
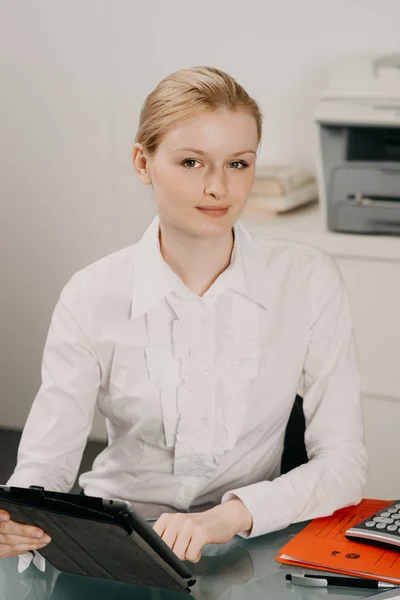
[98, 537]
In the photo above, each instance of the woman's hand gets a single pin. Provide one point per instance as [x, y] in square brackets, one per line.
[16, 538]
[186, 534]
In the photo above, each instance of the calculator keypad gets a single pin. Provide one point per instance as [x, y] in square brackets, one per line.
[382, 527]
[381, 519]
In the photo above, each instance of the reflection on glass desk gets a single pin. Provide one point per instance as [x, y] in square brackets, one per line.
[241, 569]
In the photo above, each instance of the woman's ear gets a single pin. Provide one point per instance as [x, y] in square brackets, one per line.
[140, 162]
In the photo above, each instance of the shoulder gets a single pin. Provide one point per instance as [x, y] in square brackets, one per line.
[111, 274]
[308, 275]
[293, 273]
[295, 259]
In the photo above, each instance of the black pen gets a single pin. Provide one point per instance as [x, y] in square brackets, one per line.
[314, 580]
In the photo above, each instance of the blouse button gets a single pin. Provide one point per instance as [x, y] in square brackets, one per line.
[206, 371]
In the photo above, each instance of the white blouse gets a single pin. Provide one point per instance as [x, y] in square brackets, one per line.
[197, 391]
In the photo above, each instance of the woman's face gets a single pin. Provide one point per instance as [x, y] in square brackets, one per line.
[203, 171]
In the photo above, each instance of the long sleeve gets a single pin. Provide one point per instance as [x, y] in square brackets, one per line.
[61, 416]
[335, 475]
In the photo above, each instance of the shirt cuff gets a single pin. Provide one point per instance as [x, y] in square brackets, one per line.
[264, 502]
[24, 560]
[26, 476]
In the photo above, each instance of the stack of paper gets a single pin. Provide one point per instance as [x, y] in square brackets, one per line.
[279, 188]
[323, 545]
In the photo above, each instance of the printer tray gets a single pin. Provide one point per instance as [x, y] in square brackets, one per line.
[91, 543]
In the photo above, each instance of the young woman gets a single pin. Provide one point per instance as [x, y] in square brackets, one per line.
[193, 343]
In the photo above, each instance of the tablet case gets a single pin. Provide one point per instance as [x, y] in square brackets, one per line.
[84, 546]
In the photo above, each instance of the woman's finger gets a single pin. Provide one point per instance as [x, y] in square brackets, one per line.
[17, 540]
[8, 551]
[182, 541]
[197, 541]
[160, 525]
[13, 528]
[170, 534]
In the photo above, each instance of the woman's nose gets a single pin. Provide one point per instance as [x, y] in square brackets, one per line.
[216, 185]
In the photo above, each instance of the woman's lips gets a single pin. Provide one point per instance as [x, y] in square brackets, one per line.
[213, 212]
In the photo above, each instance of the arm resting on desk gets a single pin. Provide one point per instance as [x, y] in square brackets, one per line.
[335, 475]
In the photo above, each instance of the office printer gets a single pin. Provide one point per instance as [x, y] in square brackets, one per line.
[358, 121]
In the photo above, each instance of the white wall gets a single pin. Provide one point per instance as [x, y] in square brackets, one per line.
[73, 76]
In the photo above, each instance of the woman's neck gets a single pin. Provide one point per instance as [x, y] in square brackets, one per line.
[197, 261]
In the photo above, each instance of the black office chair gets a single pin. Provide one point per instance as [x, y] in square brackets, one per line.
[294, 449]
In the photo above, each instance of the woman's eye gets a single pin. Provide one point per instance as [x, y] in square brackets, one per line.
[189, 160]
[239, 165]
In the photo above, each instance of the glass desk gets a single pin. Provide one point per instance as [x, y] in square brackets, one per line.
[240, 570]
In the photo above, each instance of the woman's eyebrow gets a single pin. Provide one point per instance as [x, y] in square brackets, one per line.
[197, 151]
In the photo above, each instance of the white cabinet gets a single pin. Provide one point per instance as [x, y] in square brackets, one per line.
[382, 428]
[374, 291]
[370, 266]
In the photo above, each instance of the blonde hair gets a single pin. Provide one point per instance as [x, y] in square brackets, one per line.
[186, 93]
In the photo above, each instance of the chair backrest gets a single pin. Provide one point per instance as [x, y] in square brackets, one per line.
[294, 449]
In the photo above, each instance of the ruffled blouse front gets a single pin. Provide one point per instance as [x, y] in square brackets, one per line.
[202, 365]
